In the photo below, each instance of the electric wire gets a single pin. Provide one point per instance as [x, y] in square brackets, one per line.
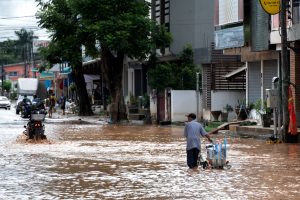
[10, 24]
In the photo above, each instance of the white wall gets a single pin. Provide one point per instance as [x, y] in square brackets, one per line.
[153, 105]
[219, 99]
[184, 102]
[131, 81]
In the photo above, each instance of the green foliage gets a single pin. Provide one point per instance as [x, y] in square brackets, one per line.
[160, 77]
[146, 101]
[72, 87]
[133, 100]
[247, 123]
[261, 107]
[251, 106]
[241, 103]
[62, 21]
[212, 125]
[109, 29]
[117, 26]
[10, 52]
[13, 95]
[15, 51]
[7, 85]
[180, 75]
[25, 37]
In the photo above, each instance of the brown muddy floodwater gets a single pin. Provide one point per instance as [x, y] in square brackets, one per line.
[140, 162]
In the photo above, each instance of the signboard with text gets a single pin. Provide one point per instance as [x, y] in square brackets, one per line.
[229, 38]
[270, 6]
[39, 43]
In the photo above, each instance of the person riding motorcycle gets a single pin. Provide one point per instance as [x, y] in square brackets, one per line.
[37, 103]
[25, 107]
[35, 127]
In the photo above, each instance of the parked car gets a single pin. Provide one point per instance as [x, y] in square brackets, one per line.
[19, 102]
[4, 102]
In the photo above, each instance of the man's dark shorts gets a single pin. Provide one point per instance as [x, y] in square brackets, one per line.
[192, 157]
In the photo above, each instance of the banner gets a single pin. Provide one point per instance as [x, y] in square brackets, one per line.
[291, 109]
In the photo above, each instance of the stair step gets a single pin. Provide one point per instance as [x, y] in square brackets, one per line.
[133, 110]
[133, 116]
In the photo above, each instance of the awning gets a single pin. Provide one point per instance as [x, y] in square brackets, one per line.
[236, 72]
[46, 75]
[91, 61]
[58, 67]
[34, 69]
[89, 81]
[91, 77]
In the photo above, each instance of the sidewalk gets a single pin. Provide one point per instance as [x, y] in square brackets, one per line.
[254, 131]
[70, 118]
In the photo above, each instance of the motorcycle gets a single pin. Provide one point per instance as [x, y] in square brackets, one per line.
[35, 129]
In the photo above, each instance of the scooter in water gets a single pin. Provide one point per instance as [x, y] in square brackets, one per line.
[35, 129]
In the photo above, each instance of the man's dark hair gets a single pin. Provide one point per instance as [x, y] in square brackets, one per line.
[192, 115]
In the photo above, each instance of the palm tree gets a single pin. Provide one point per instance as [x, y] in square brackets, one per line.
[25, 39]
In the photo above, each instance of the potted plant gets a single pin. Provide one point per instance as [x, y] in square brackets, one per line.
[133, 100]
[216, 114]
[226, 110]
[240, 110]
[264, 112]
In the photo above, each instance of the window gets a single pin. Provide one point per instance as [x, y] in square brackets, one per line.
[13, 74]
[296, 11]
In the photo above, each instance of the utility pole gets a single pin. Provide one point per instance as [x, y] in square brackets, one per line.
[2, 79]
[197, 93]
[24, 59]
[285, 69]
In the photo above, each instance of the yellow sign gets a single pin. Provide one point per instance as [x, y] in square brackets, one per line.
[271, 6]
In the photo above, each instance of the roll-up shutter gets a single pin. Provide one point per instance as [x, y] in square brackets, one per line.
[254, 83]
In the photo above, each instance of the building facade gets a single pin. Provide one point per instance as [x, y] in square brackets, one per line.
[247, 30]
[242, 27]
[190, 23]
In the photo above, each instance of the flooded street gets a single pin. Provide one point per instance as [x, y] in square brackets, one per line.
[139, 162]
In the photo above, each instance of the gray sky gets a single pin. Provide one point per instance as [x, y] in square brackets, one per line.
[17, 14]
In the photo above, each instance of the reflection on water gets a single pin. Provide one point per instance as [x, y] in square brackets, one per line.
[140, 162]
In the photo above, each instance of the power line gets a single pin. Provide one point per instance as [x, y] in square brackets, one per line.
[17, 17]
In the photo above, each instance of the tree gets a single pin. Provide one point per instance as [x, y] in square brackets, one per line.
[25, 39]
[122, 28]
[65, 46]
[9, 52]
[161, 77]
[178, 75]
[7, 85]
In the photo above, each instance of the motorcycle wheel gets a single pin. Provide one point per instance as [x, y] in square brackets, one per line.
[37, 137]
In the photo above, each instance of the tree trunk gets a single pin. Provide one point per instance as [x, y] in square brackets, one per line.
[112, 68]
[84, 103]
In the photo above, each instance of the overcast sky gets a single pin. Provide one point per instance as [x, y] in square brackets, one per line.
[17, 14]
